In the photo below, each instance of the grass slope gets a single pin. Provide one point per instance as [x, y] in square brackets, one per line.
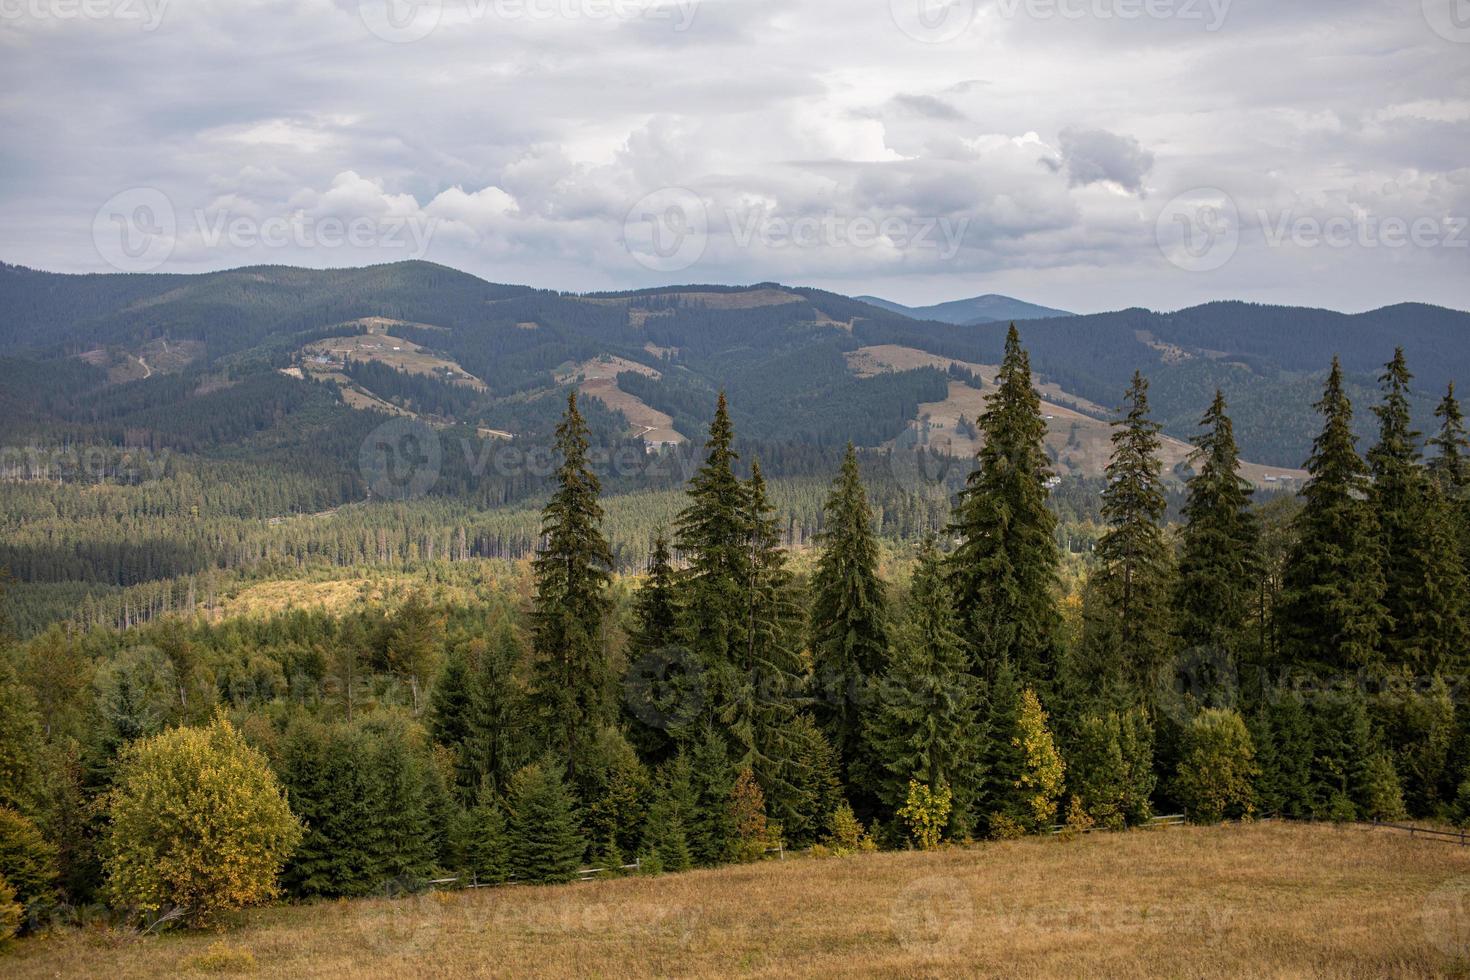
[1245, 900]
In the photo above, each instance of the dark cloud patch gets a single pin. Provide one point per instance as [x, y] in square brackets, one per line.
[1093, 155]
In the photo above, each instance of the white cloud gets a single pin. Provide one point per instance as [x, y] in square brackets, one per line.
[1054, 142]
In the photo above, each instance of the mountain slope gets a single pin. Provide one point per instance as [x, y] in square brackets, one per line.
[211, 363]
[989, 308]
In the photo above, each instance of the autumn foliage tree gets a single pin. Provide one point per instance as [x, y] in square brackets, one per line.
[197, 823]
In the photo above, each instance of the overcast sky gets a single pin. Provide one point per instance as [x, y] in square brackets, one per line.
[1087, 154]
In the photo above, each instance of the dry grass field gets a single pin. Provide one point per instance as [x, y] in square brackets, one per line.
[599, 379]
[1247, 900]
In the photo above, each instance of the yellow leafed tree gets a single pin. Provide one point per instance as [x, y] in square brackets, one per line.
[198, 824]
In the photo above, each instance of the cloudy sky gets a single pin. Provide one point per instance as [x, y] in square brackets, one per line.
[1088, 154]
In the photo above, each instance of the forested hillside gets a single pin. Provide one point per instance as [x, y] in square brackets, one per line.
[159, 427]
[499, 720]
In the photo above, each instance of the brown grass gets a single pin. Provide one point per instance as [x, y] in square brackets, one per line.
[599, 379]
[1251, 900]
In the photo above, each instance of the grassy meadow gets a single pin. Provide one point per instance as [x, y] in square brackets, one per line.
[1263, 899]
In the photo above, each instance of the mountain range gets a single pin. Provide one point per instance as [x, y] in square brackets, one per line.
[275, 360]
[990, 308]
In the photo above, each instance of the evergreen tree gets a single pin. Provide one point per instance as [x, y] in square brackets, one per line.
[1001, 757]
[1344, 749]
[1133, 577]
[1332, 615]
[1450, 464]
[662, 689]
[849, 630]
[713, 539]
[451, 709]
[762, 716]
[499, 736]
[572, 570]
[1218, 568]
[545, 842]
[483, 842]
[1450, 524]
[1400, 505]
[1281, 731]
[665, 836]
[926, 726]
[1005, 567]
[711, 828]
[806, 812]
[654, 606]
[413, 820]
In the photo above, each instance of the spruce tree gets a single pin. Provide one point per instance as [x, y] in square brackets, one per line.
[451, 709]
[1001, 759]
[1285, 745]
[499, 723]
[1400, 500]
[1449, 468]
[711, 827]
[655, 614]
[1133, 577]
[1332, 615]
[1004, 569]
[849, 628]
[1450, 464]
[762, 716]
[926, 723]
[665, 836]
[1344, 747]
[483, 841]
[660, 692]
[1218, 565]
[546, 844]
[713, 539]
[572, 570]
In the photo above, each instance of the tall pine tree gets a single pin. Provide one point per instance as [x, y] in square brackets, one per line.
[763, 714]
[1134, 562]
[926, 723]
[1004, 570]
[572, 570]
[1219, 543]
[849, 622]
[1424, 573]
[1332, 614]
[660, 695]
[713, 539]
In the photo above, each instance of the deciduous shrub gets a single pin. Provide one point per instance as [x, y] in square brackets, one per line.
[926, 814]
[197, 822]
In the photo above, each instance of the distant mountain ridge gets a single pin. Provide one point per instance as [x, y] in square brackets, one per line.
[989, 308]
[199, 362]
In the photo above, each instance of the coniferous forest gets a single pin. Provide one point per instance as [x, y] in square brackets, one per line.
[1208, 652]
